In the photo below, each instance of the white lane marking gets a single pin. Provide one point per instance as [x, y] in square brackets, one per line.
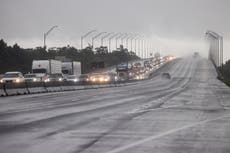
[117, 150]
[153, 109]
[147, 107]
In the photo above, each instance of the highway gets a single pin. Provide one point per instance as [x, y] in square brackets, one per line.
[189, 113]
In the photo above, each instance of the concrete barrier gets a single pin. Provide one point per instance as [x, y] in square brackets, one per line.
[53, 86]
[16, 88]
[41, 87]
[68, 85]
[36, 87]
[79, 87]
[2, 91]
[89, 87]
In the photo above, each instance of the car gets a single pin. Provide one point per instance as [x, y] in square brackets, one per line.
[56, 77]
[113, 77]
[1, 76]
[166, 75]
[196, 54]
[99, 78]
[30, 77]
[84, 79]
[12, 77]
[72, 78]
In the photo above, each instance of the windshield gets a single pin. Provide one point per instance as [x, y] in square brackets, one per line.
[11, 75]
[71, 77]
[65, 71]
[30, 76]
[39, 71]
[83, 76]
[55, 75]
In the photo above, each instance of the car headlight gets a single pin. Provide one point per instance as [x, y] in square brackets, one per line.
[60, 79]
[47, 80]
[101, 79]
[137, 77]
[17, 80]
[1, 81]
[35, 79]
[106, 79]
[75, 80]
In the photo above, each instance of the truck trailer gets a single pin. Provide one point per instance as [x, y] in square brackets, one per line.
[71, 68]
[45, 67]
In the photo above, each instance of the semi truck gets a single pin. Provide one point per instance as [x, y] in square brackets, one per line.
[42, 68]
[71, 68]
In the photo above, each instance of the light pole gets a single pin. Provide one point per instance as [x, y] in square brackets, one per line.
[102, 38]
[127, 40]
[110, 38]
[118, 38]
[141, 46]
[137, 43]
[85, 35]
[134, 36]
[122, 38]
[46, 34]
[137, 46]
[95, 37]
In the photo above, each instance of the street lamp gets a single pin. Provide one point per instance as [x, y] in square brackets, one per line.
[87, 34]
[122, 38]
[127, 40]
[46, 34]
[118, 38]
[141, 45]
[95, 37]
[134, 36]
[110, 38]
[102, 38]
[137, 38]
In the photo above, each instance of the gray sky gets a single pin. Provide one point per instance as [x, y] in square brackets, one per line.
[174, 26]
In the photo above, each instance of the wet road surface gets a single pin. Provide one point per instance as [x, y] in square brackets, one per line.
[189, 113]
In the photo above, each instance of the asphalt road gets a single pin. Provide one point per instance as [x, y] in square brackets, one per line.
[189, 113]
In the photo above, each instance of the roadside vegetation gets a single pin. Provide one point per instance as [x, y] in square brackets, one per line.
[225, 71]
[15, 58]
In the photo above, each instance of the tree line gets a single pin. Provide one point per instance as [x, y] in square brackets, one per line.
[16, 58]
[225, 72]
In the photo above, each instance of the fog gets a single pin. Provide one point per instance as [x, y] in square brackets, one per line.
[175, 27]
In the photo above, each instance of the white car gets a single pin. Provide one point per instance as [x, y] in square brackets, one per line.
[12, 77]
[30, 77]
[72, 78]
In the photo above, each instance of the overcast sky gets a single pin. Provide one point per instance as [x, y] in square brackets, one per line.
[174, 26]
